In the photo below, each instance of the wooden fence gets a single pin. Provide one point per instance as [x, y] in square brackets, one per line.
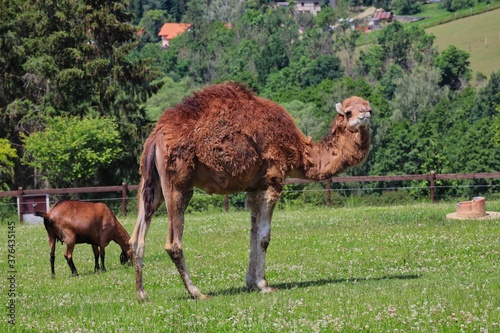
[125, 188]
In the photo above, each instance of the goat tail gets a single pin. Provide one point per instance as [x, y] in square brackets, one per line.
[47, 222]
[45, 217]
[149, 178]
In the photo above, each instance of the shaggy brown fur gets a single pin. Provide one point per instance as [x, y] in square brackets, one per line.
[224, 139]
[75, 222]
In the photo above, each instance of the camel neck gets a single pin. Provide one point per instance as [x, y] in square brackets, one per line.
[334, 154]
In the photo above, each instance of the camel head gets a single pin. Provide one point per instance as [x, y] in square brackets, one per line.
[356, 111]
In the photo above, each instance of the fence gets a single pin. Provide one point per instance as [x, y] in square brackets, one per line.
[20, 193]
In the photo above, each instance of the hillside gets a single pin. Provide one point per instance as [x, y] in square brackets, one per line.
[479, 35]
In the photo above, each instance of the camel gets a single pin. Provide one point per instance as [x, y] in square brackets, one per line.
[225, 139]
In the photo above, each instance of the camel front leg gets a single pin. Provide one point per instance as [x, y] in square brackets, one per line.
[261, 206]
[177, 202]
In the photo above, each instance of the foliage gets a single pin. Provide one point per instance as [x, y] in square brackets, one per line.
[488, 99]
[170, 94]
[454, 5]
[71, 150]
[406, 7]
[307, 118]
[416, 93]
[497, 127]
[7, 157]
[71, 58]
[454, 66]
[151, 23]
[76, 59]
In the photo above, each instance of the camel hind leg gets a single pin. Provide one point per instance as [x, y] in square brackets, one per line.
[261, 204]
[138, 238]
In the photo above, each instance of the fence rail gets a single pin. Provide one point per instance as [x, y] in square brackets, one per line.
[125, 188]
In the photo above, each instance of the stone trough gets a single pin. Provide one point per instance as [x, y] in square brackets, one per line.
[474, 209]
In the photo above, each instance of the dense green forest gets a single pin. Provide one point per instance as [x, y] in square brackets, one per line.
[83, 81]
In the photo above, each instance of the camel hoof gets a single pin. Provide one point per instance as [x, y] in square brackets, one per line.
[142, 296]
[268, 290]
[200, 296]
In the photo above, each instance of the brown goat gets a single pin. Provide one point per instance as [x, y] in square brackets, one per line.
[75, 222]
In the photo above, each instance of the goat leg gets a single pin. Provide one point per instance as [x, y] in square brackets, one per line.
[103, 269]
[96, 258]
[52, 260]
[69, 257]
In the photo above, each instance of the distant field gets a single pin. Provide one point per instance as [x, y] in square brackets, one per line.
[364, 269]
[479, 35]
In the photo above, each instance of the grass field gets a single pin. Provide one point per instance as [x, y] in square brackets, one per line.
[479, 35]
[373, 269]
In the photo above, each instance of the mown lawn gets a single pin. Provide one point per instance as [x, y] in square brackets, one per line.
[479, 35]
[372, 269]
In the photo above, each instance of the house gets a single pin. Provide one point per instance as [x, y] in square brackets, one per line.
[383, 15]
[171, 30]
[305, 6]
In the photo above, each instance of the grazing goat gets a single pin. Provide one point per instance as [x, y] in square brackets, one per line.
[75, 222]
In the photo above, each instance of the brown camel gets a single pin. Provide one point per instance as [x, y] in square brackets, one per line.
[224, 140]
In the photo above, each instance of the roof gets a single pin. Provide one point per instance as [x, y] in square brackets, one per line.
[172, 30]
[383, 15]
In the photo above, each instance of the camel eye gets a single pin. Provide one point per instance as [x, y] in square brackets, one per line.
[348, 114]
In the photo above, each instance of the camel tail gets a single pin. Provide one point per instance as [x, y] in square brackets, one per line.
[149, 178]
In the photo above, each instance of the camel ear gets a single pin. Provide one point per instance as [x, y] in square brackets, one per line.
[339, 108]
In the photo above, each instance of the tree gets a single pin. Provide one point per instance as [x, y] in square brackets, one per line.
[176, 8]
[70, 150]
[454, 65]
[496, 127]
[304, 116]
[227, 11]
[7, 157]
[272, 58]
[324, 67]
[326, 17]
[405, 7]
[482, 153]
[400, 153]
[72, 58]
[487, 100]
[416, 93]
[151, 24]
[454, 5]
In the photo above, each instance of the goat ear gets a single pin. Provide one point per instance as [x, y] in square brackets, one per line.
[339, 108]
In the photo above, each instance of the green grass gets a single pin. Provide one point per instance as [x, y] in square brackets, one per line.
[466, 32]
[479, 35]
[433, 14]
[372, 269]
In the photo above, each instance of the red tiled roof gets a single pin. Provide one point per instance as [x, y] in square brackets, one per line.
[172, 30]
[383, 15]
